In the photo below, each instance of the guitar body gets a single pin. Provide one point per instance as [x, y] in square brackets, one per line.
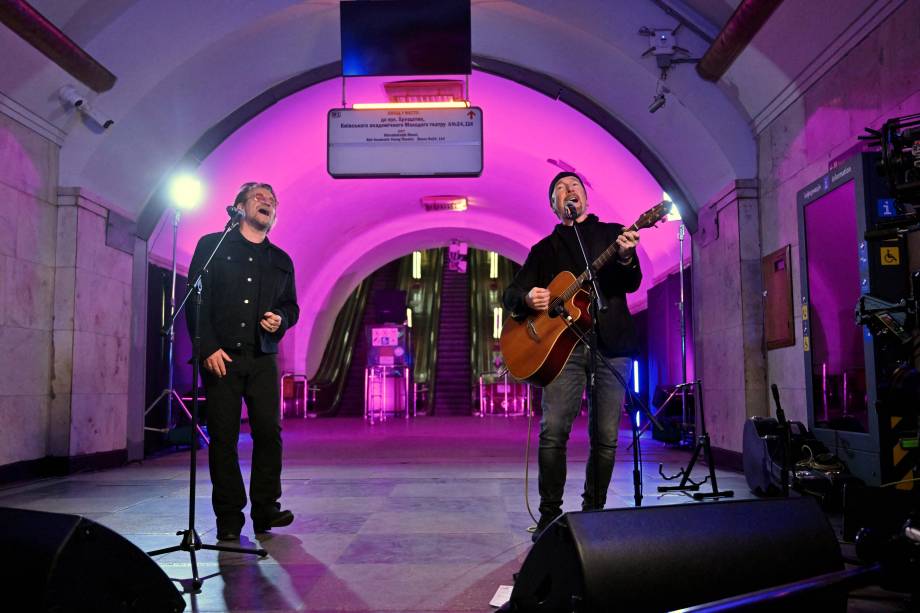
[537, 347]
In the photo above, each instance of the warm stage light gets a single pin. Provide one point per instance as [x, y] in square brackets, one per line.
[456, 104]
[185, 191]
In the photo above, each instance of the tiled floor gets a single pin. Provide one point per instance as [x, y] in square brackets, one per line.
[420, 515]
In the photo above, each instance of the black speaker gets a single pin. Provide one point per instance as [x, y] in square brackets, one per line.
[671, 557]
[57, 562]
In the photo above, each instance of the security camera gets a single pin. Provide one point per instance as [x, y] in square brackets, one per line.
[93, 113]
[71, 97]
[657, 102]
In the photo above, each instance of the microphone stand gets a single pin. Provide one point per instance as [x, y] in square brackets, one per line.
[191, 542]
[600, 306]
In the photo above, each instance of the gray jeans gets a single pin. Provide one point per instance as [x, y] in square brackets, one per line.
[561, 403]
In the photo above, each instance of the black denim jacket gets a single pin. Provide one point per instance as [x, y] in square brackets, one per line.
[224, 285]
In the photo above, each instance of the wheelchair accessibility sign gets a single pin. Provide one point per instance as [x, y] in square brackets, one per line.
[891, 256]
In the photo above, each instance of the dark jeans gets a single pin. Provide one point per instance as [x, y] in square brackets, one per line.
[561, 403]
[253, 377]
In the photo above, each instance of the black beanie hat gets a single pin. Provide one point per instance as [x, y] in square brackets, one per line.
[562, 175]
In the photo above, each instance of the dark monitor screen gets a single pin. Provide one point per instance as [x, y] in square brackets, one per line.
[405, 37]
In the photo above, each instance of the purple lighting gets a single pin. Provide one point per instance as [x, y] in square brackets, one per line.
[340, 230]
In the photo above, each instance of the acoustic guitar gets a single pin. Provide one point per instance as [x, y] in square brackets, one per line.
[537, 346]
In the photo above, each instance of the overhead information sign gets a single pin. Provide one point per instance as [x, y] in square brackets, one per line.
[404, 142]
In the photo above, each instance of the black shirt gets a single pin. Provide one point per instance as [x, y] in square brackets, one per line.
[558, 252]
[244, 281]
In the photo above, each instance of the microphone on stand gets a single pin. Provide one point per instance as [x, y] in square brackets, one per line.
[235, 213]
[571, 209]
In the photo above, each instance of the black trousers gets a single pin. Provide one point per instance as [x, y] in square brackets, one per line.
[254, 377]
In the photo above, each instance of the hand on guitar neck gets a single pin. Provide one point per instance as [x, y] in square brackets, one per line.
[626, 246]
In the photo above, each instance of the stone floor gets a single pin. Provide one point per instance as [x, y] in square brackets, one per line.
[421, 515]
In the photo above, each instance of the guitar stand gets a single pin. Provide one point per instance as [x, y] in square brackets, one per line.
[702, 445]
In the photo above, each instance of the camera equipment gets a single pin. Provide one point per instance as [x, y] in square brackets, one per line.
[899, 140]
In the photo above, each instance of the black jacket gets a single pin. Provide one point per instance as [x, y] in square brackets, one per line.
[558, 252]
[224, 284]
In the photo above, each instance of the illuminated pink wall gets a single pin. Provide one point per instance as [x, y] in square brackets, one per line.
[338, 231]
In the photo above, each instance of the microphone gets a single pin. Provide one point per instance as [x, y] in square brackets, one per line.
[235, 213]
[571, 209]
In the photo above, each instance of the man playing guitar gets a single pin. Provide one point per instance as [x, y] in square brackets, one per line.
[618, 342]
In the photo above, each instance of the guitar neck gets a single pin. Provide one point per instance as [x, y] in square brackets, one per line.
[601, 260]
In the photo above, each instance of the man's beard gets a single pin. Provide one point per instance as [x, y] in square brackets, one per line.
[259, 225]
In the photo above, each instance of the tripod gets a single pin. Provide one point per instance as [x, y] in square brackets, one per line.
[191, 542]
[169, 392]
[702, 445]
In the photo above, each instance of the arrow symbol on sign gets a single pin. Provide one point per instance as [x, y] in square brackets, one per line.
[471, 114]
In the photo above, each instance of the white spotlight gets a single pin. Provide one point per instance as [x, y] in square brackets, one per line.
[185, 191]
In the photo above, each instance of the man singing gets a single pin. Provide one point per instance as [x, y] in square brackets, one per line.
[248, 303]
[562, 398]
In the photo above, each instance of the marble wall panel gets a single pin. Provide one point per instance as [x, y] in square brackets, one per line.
[782, 148]
[98, 423]
[3, 293]
[100, 364]
[66, 249]
[725, 416]
[25, 424]
[94, 254]
[90, 234]
[25, 361]
[36, 231]
[28, 291]
[65, 279]
[101, 305]
[61, 388]
[751, 293]
[28, 161]
[9, 200]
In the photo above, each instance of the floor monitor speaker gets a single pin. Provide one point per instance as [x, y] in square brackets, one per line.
[61, 562]
[663, 558]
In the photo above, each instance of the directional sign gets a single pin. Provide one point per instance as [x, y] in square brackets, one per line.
[404, 142]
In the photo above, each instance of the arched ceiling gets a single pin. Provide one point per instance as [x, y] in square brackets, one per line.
[183, 68]
[340, 230]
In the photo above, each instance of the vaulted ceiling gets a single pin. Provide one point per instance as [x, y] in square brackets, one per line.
[241, 89]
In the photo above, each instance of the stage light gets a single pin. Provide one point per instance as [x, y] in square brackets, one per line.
[674, 213]
[185, 190]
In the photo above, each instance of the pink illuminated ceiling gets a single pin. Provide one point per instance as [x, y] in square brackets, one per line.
[338, 231]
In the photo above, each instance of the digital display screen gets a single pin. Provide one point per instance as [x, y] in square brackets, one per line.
[405, 37]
